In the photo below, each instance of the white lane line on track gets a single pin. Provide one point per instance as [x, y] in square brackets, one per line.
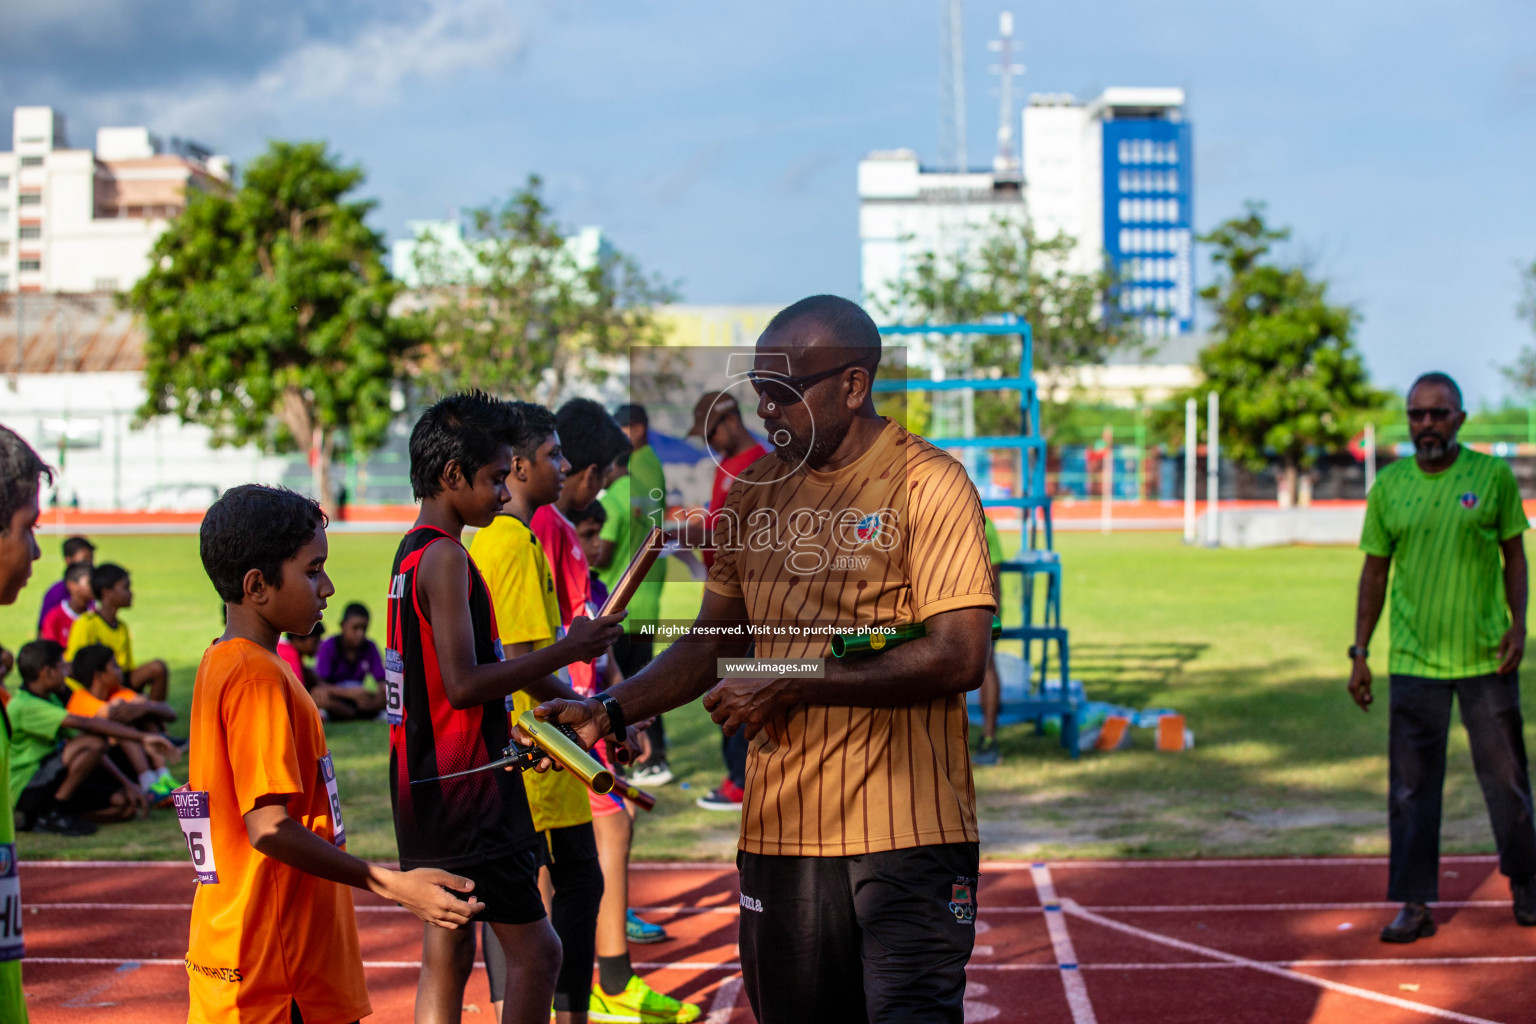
[1238, 862]
[680, 911]
[103, 961]
[986, 866]
[1273, 969]
[1061, 944]
[730, 965]
[724, 1004]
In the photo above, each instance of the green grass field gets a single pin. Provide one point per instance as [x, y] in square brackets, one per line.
[1248, 644]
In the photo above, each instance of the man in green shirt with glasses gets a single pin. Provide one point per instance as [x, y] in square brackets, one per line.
[1445, 517]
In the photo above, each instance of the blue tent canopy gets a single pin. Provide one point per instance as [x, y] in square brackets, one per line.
[674, 449]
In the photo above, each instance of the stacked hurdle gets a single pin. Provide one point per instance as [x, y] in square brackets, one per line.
[1037, 557]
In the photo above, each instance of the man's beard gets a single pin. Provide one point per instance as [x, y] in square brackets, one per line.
[796, 451]
[1431, 446]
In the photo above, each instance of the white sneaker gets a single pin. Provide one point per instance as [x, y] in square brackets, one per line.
[657, 774]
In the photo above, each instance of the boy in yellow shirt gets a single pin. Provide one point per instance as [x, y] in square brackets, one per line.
[113, 588]
[522, 588]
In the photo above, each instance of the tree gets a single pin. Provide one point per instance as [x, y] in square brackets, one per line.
[524, 309]
[1521, 374]
[1283, 360]
[1011, 269]
[267, 312]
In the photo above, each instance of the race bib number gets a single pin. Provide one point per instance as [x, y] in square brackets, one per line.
[10, 904]
[394, 687]
[197, 829]
[328, 776]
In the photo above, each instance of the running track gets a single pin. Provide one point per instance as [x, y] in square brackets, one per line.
[1065, 942]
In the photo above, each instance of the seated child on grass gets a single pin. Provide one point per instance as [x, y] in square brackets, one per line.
[78, 599]
[113, 588]
[77, 551]
[57, 776]
[344, 663]
[102, 693]
[293, 648]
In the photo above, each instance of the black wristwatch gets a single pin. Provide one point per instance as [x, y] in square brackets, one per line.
[1358, 652]
[617, 724]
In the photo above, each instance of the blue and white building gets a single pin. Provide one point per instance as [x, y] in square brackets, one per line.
[1117, 174]
[1114, 173]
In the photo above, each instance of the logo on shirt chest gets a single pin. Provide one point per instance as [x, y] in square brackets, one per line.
[1469, 501]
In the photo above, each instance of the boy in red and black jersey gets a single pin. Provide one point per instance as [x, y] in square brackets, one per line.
[447, 688]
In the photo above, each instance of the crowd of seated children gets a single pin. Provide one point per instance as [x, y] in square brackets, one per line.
[68, 771]
[113, 590]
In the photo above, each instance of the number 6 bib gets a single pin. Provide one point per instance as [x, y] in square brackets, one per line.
[197, 828]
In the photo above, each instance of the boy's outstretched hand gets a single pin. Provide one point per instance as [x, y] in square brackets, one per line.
[590, 639]
[158, 744]
[424, 892]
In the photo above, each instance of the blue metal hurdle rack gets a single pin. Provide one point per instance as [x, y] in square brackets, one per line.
[1037, 556]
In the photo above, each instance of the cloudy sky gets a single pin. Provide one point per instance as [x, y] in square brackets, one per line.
[717, 141]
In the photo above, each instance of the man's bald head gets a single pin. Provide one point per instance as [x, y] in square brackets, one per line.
[842, 324]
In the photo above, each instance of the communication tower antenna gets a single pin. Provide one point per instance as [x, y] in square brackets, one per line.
[952, 87]
[1006, 163]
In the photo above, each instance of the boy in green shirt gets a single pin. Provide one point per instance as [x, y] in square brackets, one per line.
[20, 473]
[62, 769]
[635, 502]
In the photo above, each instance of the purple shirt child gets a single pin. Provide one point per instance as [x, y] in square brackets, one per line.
[333, 666]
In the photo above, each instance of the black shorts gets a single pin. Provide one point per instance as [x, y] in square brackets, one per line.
[570, 854]
[570, 845]
[508, 885]
[879, 937]
[93, 794]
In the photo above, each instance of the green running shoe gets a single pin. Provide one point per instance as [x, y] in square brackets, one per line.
[639, 1004]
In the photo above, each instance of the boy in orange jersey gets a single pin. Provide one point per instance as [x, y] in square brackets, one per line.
[273, 936]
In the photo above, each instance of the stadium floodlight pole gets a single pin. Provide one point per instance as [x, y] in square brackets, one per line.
[1213, 470]
[1107, 499]
[1370, 457]
[1191, 456]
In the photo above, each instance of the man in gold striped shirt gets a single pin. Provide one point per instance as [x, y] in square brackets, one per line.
[859, 849]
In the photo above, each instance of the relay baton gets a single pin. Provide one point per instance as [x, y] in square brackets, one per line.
[555, 742]
[635, 573]
[855, 643]
[638, 796]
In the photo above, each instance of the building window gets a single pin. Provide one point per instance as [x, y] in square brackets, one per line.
[5, 216]
[5, 181]
[29, 265]
[30, 199]
[31, 161]
[30, 231]
[5, 248]
[5, 282]
[106, 284]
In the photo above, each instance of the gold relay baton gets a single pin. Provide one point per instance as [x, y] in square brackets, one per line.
[566, 752]
[556, 741]
[634, 574]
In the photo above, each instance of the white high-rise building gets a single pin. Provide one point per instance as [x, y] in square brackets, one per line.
[73, 220]
[1114, 173]
[906, 211]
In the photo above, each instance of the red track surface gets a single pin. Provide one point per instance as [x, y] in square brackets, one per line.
[1120, 941]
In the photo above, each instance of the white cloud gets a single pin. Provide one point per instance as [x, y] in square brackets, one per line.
[368, 69]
